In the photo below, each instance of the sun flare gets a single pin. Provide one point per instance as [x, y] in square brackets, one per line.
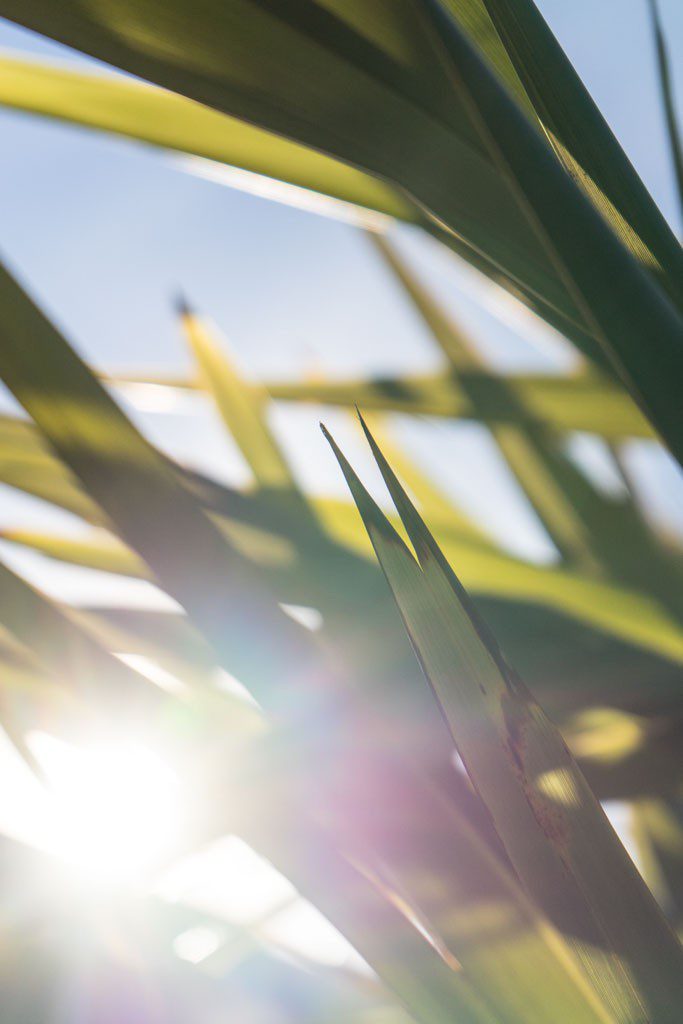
[114, 808]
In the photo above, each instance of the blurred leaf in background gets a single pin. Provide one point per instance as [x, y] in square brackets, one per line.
[232, 787]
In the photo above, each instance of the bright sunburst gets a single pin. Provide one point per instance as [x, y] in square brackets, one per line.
[114, 808]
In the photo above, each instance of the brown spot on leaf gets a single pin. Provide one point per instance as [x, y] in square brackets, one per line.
[550, 817]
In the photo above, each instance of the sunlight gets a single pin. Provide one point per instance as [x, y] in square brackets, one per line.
[197, 944]
[302, 930]
[227, 879]
[113, 808]
[283, 192]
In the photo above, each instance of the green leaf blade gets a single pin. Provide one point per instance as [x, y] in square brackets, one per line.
[550, 823]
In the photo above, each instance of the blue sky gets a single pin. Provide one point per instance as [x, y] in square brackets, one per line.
[105, 231]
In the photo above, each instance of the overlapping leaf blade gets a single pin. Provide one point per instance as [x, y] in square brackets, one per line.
[600, 534]
[583, 140]
[127, 476]
[139, 490]
[360, 45]
[668, 102]
[489, 573]
[406, 854]
[616, 297]
[161, 118]
[392, 104]
[584, 402]
[241, 405]
[550, 823]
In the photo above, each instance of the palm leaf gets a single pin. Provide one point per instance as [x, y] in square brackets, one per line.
[133, 109]
[584, 401]
[138, 489]
[617, 298]
[553, 486]
[126, 475]
[69, 653]
[240, 63]
[553, 829]
[583, 141]
[658, 832]
[258, 530]
[240, 403]
[598, 533]
[666, 88]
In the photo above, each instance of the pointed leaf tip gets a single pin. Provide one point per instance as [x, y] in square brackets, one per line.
[366, 430]
[370, 512]
[181, 305]
[330, 440]
[341, 458]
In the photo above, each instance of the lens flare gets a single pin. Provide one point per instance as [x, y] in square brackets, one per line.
[114, 807]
